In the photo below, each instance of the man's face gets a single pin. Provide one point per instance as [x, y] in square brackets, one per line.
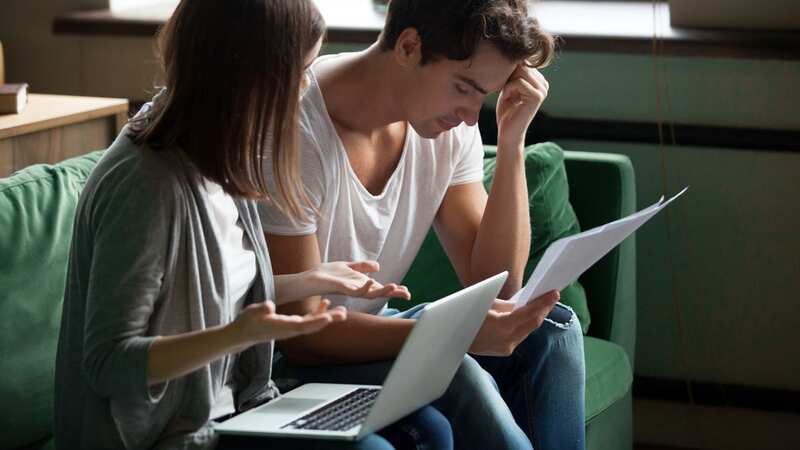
[444, 93]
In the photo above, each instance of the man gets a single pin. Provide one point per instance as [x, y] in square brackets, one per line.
[390, 147]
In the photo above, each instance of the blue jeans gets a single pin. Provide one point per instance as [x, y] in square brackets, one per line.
[535, 397]
[426, 428]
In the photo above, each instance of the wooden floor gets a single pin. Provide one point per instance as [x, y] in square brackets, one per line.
[656, 447]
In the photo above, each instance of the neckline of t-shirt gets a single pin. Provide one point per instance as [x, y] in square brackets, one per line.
[314, 89]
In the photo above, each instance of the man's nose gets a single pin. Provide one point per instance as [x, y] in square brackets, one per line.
[469, 115]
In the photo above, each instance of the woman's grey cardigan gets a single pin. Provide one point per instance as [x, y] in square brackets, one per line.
[145, 262]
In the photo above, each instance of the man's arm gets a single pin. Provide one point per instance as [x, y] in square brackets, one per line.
[486, 236]
[360, 338]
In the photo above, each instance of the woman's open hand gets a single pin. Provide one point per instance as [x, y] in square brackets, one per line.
[351, 278]
[259, 322]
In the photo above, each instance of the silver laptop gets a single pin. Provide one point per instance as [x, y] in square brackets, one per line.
[421, 373]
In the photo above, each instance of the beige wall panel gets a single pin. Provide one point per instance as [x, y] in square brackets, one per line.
[6, 158]
[35, 148]
[29, 16]
[119, 67]
[33, 55]
[85, 137]
[48, 65]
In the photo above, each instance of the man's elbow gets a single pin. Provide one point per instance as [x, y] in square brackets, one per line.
[512, 285]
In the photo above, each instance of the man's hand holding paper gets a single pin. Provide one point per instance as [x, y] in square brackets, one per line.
[506, 326]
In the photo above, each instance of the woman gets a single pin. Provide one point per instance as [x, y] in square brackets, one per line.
[166, 324]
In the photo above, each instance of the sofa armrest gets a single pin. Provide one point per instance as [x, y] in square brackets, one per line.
[602, 189]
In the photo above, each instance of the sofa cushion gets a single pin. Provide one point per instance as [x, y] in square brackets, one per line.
[552, 217]
[608, 375]
[37, 206]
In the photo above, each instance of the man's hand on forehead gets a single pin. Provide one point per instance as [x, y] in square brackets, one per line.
[519, 101]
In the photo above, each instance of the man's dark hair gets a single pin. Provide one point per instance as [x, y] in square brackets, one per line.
[453, 29]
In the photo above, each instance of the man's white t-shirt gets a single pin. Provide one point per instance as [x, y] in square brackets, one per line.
[352, 224]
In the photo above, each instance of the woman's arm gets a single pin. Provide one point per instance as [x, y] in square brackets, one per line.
[171, 357]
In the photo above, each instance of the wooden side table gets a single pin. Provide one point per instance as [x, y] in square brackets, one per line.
[56, 127]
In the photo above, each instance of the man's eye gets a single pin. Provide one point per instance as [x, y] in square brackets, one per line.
[461, 89]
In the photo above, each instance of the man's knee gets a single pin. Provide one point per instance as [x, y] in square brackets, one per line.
[560, 333]
[563, 317]
[472, 378]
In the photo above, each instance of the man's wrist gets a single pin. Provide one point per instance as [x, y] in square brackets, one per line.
[510, 152]
[506, 143]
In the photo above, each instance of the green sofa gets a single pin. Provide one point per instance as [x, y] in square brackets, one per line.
[36, 215]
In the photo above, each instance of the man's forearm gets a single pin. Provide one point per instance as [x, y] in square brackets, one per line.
[360, 338]
[504, 236]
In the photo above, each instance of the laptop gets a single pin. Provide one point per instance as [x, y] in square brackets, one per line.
[421, 373]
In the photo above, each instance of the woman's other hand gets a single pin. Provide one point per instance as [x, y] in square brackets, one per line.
[351, 278]
[259, 323]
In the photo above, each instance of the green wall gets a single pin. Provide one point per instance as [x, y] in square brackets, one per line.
[719, 274]
[719, 270]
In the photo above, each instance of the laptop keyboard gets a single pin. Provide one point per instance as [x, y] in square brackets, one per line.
[339, 415]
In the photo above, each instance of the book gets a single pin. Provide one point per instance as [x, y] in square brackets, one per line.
[13, 98]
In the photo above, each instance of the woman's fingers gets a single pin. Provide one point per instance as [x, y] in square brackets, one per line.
[364, 266]
[401, 292]
[373, 289]
[311, 324]
[364, 290]
[322, 306]
[338, 313]
[394, 290]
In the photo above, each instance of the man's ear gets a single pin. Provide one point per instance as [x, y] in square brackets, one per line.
[408, 48]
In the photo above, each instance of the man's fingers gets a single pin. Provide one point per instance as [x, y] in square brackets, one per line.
[502, 305]
[549, 297]
[536, 309]
[520, 89]
[535, 78]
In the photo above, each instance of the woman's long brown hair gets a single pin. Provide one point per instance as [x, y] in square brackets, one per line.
[233, 70]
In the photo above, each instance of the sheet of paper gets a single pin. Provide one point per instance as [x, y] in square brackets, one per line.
[567, 258]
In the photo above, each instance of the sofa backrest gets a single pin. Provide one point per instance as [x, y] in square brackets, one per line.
[602, 188]
[37, 208]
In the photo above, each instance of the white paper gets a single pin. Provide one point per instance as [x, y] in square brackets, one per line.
[567, 258]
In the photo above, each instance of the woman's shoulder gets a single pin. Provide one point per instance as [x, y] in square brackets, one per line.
[130, 170]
